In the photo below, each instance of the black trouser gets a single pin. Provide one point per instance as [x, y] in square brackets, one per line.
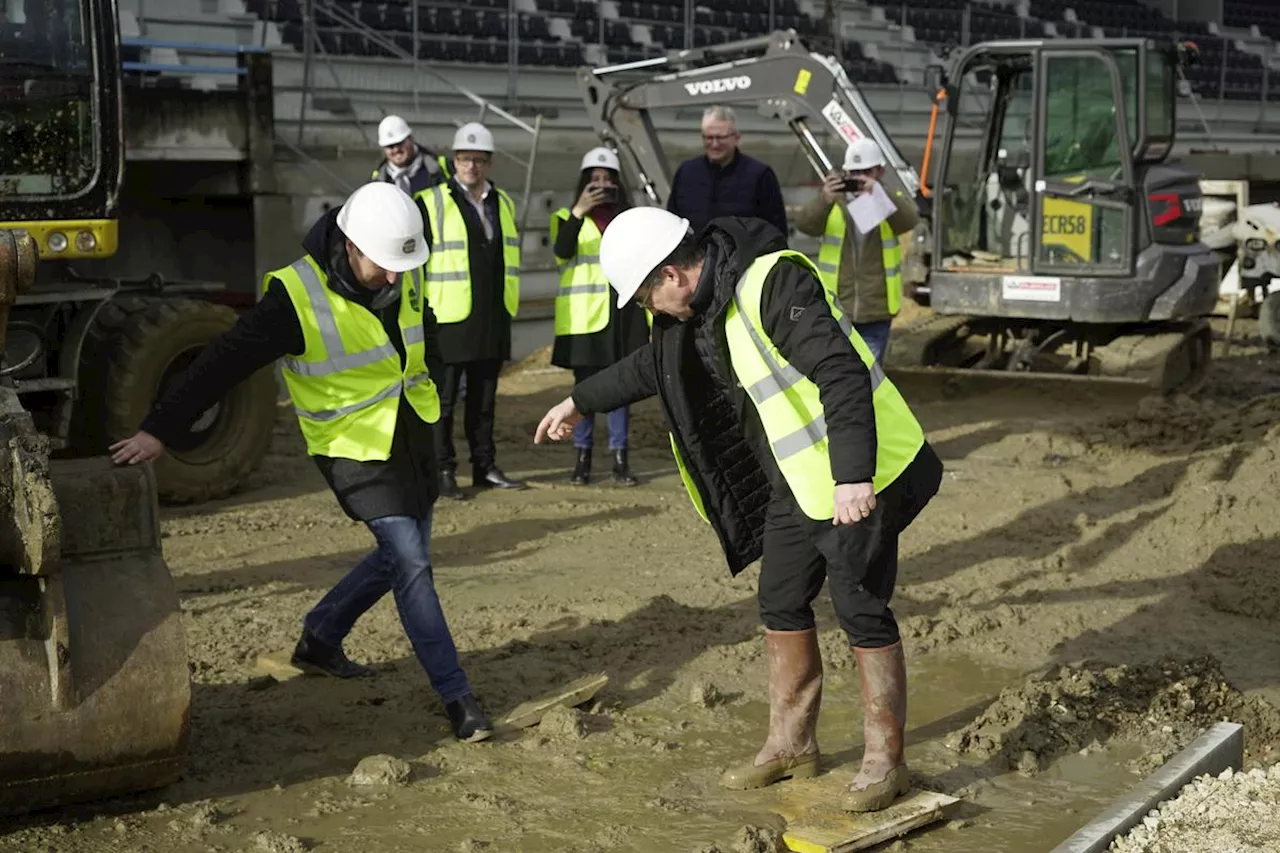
[860, 561]
[482, 393]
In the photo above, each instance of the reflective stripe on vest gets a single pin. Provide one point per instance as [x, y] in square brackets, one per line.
[890, 255]
[582, 302]
[790, 407]
[449, 267]
[347, 382]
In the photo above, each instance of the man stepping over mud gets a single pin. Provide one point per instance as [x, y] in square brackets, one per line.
[358, 341]
[793, 446]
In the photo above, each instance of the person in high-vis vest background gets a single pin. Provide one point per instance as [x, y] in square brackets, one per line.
[863, 270]
[591, 331]
[357, 341]
[473, 284]
[410, 166]
[794, 446]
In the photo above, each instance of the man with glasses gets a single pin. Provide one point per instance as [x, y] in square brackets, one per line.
[473, 285]
[865, 272]
[724, 181]
[408, 165]
[796, 450]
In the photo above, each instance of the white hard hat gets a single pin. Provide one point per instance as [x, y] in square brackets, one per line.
[473, 136]
[601, 158]
[386, 226]
[863, 154]
[635, 243]
[393, 130]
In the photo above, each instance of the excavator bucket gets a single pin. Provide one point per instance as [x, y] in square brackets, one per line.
[95, 695]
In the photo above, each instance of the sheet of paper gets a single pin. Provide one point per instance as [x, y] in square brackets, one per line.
[870, 209]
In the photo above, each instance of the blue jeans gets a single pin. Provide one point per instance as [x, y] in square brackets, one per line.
[875, 336]
[619, 421]
[400, 564]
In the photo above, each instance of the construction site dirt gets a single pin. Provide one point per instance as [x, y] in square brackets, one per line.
[1094, 584]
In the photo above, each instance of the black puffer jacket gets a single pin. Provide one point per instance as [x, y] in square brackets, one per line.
[716, 426]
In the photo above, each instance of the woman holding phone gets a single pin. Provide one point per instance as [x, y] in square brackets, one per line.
[591, 331]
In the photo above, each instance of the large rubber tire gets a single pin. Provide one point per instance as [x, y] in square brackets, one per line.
[147, 343]
[1269, 320]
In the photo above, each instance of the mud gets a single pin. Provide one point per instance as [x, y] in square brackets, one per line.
[1075, 535]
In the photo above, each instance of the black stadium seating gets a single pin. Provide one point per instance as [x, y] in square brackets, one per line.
[478, 31]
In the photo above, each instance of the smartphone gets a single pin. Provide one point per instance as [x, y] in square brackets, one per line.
[608, 192]
[852, 185]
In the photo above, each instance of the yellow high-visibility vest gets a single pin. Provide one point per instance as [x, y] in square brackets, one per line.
[789, 405]
[890, 254]
[346, 384]
[378, 173]
[449, 267]
[582, 302]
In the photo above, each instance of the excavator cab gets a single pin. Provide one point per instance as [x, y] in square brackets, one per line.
[1062, 239]
[94, 688]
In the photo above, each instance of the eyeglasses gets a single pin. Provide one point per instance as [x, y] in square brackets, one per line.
[471, 161]
[724, 137]
[645, 294]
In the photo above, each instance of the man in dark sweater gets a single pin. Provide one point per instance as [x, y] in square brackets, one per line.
[724, 181]
[358, 344]
[794, 446]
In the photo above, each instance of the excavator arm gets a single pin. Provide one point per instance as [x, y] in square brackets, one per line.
[776, 74]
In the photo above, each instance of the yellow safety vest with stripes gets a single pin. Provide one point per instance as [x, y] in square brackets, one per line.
[890, 253]
[582, 302]
[346, 384]
[449, 267]
[789, 405]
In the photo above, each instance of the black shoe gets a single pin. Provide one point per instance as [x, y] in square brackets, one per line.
[317, 658]
[468, 720]
[449, 486]
[622, 471]
[493, 478]
[582, 470]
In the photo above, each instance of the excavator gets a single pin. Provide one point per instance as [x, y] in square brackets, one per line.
[95, 694]
[1059, 243]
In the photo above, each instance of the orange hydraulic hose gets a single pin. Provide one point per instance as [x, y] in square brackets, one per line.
[928, 146]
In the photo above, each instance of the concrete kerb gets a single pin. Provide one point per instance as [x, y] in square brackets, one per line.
[1220, 747]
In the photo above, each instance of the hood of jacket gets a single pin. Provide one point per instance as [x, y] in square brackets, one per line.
[732, 244]
[327, 245]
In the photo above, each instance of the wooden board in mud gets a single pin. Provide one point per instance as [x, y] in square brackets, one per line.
[816, 825]
[574, 693]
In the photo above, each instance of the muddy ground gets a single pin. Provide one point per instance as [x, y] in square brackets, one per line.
[1095, 582]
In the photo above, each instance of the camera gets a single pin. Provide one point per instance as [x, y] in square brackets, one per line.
[608, 192]
[852, 185]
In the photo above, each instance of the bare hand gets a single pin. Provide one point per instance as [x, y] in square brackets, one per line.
[854, 502]
[141, 447]
[559, 422]
[592, 194]
[833, 187]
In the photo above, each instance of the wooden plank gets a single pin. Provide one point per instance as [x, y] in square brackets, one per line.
[816, 825]
[575, 693]
[277, 665]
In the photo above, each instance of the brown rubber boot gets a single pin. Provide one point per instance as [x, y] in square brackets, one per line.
[795, 691]
[883, 777]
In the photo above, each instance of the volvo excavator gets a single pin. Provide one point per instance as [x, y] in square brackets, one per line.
[1058, 242]
[95, 694]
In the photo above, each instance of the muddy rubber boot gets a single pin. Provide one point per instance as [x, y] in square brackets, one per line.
[883, 777]
[622, 471]
[790, 750]
[582, 468]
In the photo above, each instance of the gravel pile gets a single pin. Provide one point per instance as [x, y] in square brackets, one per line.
[1232, 813]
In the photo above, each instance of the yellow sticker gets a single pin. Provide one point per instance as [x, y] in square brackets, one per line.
[802, 81]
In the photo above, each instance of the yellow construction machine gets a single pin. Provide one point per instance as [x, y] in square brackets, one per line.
[94, 687]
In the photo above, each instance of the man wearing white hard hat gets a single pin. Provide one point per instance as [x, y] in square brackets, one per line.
[473, 284]
[591, 332]
[794, 447]
[410, 166]
[357, 341]
[863, 270]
